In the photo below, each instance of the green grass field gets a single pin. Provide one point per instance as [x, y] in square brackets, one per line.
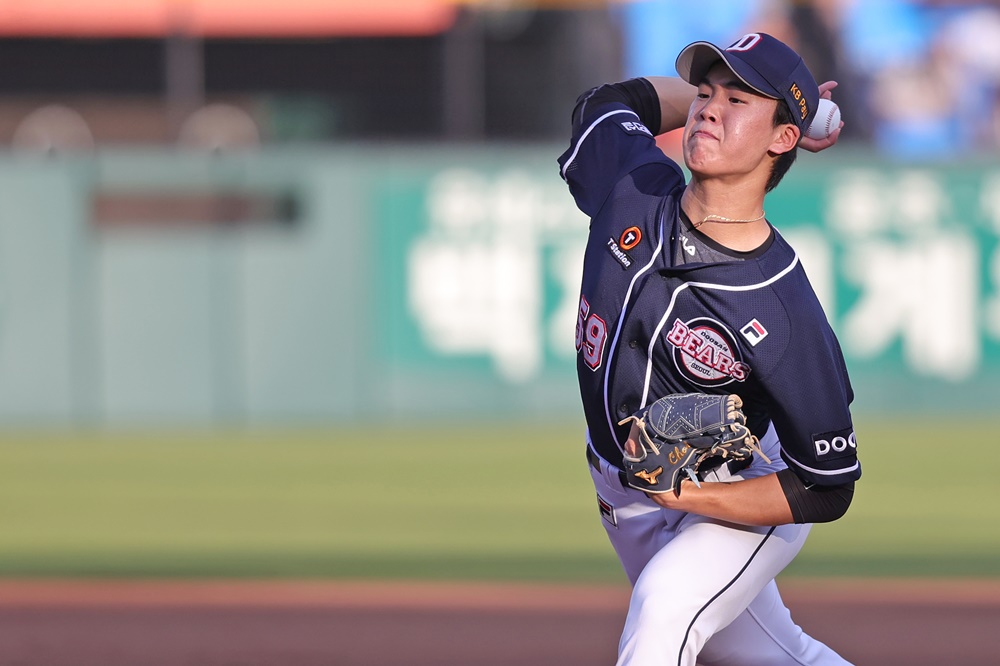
[485, 501]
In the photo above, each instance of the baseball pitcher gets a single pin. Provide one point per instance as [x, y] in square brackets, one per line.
[716, 396]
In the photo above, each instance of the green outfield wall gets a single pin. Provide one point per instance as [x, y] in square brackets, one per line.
[318, 285]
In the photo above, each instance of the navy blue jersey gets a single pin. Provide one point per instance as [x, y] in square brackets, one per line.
[648, 327]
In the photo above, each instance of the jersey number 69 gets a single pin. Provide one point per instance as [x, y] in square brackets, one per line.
[591, 334]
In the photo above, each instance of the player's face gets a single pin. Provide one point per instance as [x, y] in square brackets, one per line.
[730, 128]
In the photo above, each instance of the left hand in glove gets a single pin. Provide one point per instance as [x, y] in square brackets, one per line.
[682, 435]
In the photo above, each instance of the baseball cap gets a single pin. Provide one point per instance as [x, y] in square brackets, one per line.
[764, 63]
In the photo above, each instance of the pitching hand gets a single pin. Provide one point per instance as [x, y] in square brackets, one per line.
[816, 145]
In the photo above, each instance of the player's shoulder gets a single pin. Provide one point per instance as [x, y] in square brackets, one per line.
[784, 266]
[782, 270]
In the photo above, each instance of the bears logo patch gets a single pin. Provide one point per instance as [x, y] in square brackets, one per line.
[706, 352]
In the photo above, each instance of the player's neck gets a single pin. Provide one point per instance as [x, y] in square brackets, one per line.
[727, 215]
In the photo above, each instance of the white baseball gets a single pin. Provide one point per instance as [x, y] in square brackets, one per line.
[826, 121]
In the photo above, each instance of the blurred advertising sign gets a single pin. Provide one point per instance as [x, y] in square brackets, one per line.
[431, 280]
[488, 268]
[221, 18]
[905, 260]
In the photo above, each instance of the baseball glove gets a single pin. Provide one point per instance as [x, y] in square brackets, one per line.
[683, 435]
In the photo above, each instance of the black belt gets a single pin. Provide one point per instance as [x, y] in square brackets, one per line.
[595, 462]
[735, 466]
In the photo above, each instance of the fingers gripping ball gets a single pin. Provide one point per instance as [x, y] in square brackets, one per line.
[826, 121]
[684, 434]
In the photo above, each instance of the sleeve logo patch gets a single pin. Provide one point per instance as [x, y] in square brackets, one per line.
[837, 444]
[633, 127]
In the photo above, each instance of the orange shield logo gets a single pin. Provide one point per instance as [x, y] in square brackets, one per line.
[630, 238]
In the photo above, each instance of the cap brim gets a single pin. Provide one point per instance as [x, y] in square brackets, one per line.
[697, 58]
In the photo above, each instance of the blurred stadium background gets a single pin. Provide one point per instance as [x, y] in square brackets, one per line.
[266, 268]
[242, 213]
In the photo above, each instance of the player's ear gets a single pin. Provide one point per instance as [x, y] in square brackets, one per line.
[786, 137]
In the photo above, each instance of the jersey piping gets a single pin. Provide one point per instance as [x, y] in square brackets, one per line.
[842, 470]
[618, 332]
[576, 148]
[687, 634]
[704, 285]
[666, 316]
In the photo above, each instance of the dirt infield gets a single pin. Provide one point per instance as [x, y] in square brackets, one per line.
[306, 623]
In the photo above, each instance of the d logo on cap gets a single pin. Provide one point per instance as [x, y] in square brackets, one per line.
[745, 43]
[765, 64]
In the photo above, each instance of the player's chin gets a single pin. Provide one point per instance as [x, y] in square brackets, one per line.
[695, 160]
[706, 165]
[700, 169]
[700, 158]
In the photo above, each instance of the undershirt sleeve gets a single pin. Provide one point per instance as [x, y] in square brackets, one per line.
[812, 503]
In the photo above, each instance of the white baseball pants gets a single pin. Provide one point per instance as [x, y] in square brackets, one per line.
[703, 591]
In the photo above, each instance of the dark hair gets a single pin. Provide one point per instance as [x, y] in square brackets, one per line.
[782, 116]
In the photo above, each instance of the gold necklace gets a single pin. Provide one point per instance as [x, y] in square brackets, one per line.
[720, 218]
